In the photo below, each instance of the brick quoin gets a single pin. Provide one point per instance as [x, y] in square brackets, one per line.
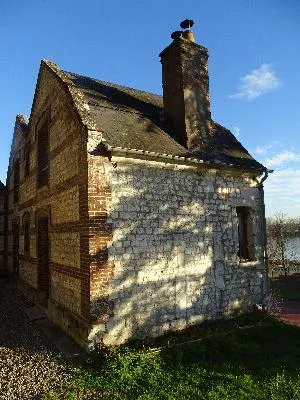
[100, 234]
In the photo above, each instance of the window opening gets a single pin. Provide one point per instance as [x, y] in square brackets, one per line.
[43, 155]
[16, 181]
[245, 234]
[27, 159]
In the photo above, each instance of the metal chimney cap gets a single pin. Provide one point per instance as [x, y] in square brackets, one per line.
[186, 24]
[176, 34]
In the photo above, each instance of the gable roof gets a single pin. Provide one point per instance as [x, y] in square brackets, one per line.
[133, 119]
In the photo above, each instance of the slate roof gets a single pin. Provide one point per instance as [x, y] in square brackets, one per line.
[134, 119]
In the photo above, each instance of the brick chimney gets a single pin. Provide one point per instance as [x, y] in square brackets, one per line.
[185, 89]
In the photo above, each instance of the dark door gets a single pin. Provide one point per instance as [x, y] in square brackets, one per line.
[15, 228]
[43, 257]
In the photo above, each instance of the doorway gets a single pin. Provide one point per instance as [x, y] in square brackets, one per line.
[43, 258]
[15, 232]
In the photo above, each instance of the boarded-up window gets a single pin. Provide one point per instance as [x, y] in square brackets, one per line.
[43, 155]
[43, 256]
[16, 180]
[245, 227]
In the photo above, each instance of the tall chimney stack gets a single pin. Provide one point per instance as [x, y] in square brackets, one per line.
[186, 89]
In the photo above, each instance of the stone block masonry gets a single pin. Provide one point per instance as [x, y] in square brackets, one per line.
[172, 260]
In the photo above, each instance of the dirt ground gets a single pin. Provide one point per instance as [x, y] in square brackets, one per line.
[289, 311]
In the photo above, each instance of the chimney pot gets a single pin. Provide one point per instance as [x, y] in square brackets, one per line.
[189, 35]
[186, 24]
[176, 35]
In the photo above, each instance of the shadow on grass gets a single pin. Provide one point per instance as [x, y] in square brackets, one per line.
[252, 354]
[287, 288]
[265, 349]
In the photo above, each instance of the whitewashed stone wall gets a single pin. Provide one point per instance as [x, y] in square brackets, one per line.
[175, 245]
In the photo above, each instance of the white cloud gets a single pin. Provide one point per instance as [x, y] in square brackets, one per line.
[260, 150]
[282, 188]
[281, 158]
[236, 131]
[265, 148]
[282, 192]
[257, 83]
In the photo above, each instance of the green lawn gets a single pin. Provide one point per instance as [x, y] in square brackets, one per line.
[286, 288]
[228, 363]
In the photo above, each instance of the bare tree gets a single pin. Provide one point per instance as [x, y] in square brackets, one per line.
[279, 232]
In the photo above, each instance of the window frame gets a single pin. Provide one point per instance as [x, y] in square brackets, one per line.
[16, 174]
[43, 150]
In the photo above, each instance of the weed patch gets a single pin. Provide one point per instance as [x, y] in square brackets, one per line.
[233, 360]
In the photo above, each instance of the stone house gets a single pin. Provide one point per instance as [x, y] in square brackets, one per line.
[131, 214]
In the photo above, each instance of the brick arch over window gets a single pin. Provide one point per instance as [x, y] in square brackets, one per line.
[26, 232]
[44, 211]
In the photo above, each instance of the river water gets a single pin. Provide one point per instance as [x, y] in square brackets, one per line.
[293, 249]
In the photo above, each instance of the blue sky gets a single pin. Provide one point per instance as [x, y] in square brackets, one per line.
[253, 66]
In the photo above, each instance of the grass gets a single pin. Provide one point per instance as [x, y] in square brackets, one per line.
[287, 288]
[261, 362]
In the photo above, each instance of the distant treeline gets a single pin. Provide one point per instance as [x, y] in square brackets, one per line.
[289, 226]
[280, 230]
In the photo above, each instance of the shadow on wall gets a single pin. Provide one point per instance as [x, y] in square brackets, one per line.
[174, 251]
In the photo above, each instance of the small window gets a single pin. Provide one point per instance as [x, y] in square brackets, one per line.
[26, 236]
[27, 159]
[245, 229]
[16, 181]
[43, 155]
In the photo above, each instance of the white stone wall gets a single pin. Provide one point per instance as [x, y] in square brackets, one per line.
[175, 245]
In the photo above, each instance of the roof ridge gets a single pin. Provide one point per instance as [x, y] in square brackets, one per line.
[77, 95]
[150, 132]
[117, 85]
